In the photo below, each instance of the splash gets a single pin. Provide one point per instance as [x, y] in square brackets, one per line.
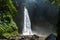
[27, 24]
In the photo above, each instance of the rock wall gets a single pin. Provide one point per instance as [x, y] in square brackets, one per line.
[43, 16]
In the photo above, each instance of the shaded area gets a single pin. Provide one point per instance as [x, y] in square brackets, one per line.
[51, 37]
[19, 16]
[43, 16]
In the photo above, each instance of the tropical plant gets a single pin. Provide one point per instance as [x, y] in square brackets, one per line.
[8, 27]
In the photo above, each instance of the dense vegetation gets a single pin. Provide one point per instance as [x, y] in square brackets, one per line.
[8, 27]
[55, 2]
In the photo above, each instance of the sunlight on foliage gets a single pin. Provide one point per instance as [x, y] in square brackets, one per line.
[8, 27]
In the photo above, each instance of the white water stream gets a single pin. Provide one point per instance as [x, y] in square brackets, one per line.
[27, 24]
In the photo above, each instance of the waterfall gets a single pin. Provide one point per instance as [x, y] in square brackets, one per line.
[27, 24]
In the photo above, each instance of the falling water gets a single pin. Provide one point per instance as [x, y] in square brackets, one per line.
[27, 24]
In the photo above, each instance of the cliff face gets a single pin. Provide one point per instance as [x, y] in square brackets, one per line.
[43, 16]
[19, 16]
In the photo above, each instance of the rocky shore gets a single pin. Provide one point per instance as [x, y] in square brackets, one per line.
[24, 37]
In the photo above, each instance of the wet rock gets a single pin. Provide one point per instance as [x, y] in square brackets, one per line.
[22, 39]
[35, 36]
[25, 37]
[51, 37]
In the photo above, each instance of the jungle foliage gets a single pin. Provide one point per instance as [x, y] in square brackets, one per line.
[54, 2]
[8, 27]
